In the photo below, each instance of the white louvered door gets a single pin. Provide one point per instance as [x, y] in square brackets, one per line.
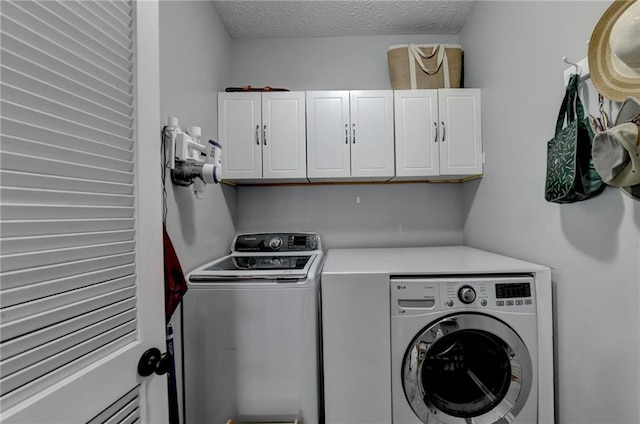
[81, 277]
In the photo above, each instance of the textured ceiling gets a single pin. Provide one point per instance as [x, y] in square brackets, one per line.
[268, 19]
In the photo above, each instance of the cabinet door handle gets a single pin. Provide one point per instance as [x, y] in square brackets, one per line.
[346, 133]
[258, 135]
[354, 133]
[435, 130]
[264, 135]
[443, 131]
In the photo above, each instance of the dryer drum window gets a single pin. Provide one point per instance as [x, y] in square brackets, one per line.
[467, 366]
[466, 373]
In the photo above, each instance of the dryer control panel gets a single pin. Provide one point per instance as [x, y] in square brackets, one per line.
[411, 296]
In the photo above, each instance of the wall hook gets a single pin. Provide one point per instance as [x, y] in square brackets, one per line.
[565, 60]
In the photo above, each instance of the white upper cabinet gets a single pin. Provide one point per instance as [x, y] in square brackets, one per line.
[460, 132]
[239, 133]
[350, 135]
[416, 119]
[262, 135]
[284, 150]
[372, 134]
[328, 134]
[368, 135]
[438, 134]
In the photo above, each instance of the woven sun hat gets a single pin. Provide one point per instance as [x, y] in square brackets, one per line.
[616, 151]
[614, 51]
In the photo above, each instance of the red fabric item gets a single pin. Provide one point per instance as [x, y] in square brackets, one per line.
[175, 285]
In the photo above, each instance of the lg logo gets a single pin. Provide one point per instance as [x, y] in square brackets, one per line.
[401, 287]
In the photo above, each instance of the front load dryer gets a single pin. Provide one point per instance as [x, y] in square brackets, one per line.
[464, 350]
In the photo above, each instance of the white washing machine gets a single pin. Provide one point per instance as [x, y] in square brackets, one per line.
[464, 350]
[251, 332]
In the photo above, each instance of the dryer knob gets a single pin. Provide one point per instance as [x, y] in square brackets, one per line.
[467, 294]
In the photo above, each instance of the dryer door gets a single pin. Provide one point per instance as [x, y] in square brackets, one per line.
[467, 368]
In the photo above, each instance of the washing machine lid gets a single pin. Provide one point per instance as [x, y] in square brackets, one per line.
[263, 258]
[258, 267]
[261, 263]
[467, 368]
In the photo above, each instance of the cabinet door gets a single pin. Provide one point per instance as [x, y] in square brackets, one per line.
[239, 133]
[372, 151]
[416, 129]
[328, 134]
[460, 132]
[283, 132]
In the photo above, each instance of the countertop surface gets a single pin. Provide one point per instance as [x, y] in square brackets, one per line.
[423, 260]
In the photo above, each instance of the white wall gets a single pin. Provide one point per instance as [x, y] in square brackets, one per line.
[195, 48]
[513, 51]
[319, 63]
[387, 215]
[194, 52]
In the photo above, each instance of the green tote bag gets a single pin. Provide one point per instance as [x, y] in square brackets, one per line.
[571, 176]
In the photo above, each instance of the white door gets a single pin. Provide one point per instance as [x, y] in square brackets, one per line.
[372, 151]
[81, 275]
[328, 135]
[240, 134]
[460, 132]
[284, 153]
[416, 129]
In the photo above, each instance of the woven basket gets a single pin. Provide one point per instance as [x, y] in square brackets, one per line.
[416, 66]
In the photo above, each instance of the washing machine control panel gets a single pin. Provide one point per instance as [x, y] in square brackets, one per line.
[276, 242]
[499, 293]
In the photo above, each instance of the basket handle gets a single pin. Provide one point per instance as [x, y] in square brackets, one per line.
[416, 54]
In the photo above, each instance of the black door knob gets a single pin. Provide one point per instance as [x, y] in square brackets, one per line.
[153, 361]
[163, 364]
